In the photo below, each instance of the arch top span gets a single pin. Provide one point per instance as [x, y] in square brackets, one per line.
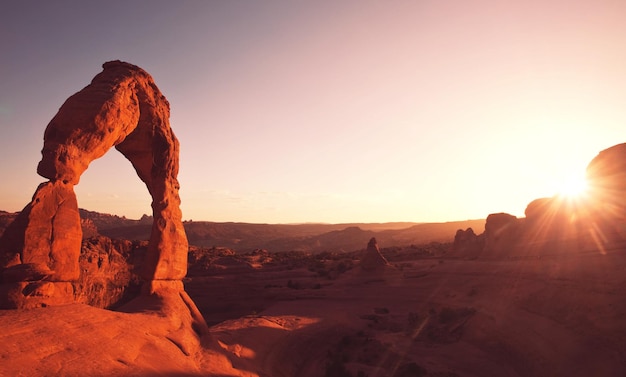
[122, 102]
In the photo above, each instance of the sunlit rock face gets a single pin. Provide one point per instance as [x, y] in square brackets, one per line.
[121, 108]
[46, 235]
[40, 250]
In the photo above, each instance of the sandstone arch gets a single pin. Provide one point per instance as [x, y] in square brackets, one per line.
[122, 108]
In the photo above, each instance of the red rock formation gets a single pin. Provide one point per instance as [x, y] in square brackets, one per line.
[89, 228]
[6, 218]
[106, 279]
[122, 107]
[501, 231]
[606, 174]
[43, 243]
[467, 242]
[52, 234]
[553, 218]
[372, 258]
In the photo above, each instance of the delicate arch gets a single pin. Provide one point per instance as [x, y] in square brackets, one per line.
[123, 107]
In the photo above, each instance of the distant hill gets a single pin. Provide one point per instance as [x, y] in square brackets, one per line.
[310, 237]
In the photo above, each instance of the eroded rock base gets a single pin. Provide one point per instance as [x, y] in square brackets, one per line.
[35, 294]
[167, 298]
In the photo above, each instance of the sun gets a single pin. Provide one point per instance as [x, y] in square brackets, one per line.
[573, 187]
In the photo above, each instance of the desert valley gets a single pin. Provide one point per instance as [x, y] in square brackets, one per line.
[84, 293]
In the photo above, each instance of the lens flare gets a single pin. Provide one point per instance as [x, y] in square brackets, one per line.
[573, 188]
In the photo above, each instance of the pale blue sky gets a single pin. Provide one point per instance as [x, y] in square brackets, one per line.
[329, 111]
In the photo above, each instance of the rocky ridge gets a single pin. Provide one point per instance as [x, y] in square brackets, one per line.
[560, 224]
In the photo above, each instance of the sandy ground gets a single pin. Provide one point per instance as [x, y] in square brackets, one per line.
[561, 315]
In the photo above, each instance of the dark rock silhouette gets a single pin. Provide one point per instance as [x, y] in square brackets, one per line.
[372, 258]
[554, 219]
[606, 174]
[467, 242]
[501, 229]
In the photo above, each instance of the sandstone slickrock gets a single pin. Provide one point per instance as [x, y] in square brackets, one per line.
[372, 258]
[122, 108]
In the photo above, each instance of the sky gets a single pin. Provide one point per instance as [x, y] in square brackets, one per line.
[329, 111]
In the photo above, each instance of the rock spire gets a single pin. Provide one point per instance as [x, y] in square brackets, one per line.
[372, 258]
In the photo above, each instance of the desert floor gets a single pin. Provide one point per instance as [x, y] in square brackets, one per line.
[558, 315]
